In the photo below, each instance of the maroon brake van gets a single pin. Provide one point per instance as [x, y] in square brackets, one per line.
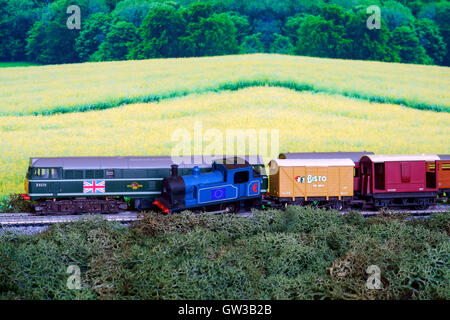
[399, 180]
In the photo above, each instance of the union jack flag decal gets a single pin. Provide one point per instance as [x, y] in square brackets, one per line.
[94, 186]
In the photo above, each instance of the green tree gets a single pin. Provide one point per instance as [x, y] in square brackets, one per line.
[92, 34]
[242, 25]
[36, 50]
[267, 28]
[215, 35]
[350, 4]
[318, 37]
[16, 18]
[133, 11]
[4, 55]
[335, 14]
[252, 44]
[268, 10]
[198, 10]
[407, 43]
[95, 6]
[292, 25]
[442, 19]
[118, 41]
[49, 40]
[282, 45]
[369, 44]
[111, 4]
[395, 14]
[160, 33]
[431, 40]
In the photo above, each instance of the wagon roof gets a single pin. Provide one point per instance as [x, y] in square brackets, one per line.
[402, 157]
[135, 162]
[444, 156]
[314, 162]
[355, 156]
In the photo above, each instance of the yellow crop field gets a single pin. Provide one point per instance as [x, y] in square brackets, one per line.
[79, 87]
[306, 122]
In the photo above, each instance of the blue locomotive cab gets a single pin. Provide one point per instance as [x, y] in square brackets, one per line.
[231, 183]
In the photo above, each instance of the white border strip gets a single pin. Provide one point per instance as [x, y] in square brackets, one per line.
[235, 197]
[259, 188]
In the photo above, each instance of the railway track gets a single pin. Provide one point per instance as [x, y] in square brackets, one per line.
[415, 213]
[22, 214]
[28, 219]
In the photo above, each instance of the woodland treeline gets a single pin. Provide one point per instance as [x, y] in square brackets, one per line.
[410, 31]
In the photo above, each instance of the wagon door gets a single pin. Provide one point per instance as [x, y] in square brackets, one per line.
[431, 175]
[365, 180]
[405, 172]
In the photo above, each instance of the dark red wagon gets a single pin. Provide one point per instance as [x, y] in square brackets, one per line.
[399, 180]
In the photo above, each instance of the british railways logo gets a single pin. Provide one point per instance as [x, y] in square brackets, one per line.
[134, 186]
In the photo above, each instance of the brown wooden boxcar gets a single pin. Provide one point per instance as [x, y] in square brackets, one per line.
[355, 156]
[329, 181]
[443, 166]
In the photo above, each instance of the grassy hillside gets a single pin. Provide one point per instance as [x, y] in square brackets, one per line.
[298, 254]
[79, 87]
[306, 122]
[16, 64]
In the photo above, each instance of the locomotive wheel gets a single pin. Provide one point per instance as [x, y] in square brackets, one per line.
[423, 205]
[382, 205]
[231, 207]
[338, 205]
[78, 206]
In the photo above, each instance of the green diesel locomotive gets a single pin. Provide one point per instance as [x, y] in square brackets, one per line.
[108, 184]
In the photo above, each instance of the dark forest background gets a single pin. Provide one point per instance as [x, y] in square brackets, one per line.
[411, 31]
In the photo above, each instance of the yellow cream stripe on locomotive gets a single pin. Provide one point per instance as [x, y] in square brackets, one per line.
[93, 194]
[74, 180]
[98, 194]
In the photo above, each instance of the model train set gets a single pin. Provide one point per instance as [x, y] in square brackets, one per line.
[337, 180]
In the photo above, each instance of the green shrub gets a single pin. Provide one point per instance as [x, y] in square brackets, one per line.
[302, 253]
[14, 203]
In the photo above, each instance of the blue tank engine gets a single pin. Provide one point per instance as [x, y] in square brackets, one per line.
[231, 185]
